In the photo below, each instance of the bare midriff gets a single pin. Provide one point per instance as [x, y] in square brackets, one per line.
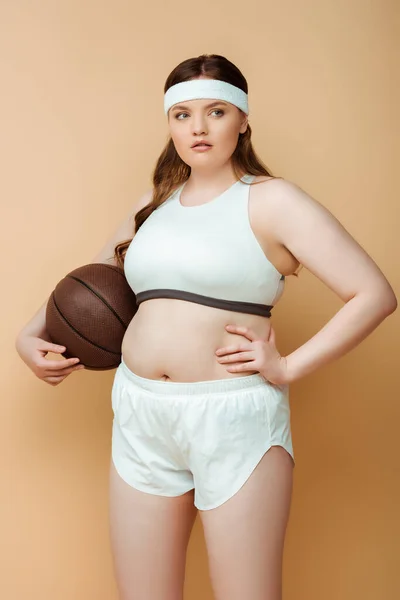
[176, 340]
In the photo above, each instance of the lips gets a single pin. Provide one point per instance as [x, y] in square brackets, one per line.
[201, 144]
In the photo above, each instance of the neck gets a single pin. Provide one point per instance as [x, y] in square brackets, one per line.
[210, 180]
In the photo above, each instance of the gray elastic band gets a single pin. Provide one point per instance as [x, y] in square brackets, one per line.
[252, 308]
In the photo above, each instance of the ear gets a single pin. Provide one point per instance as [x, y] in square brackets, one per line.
[243, 125]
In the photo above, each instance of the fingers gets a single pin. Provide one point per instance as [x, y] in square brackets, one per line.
[49, 347]
[244, 331]
[56, 348]
[63, 372]
[58, 376]
[239, 357]
[55, 371]
[58, 364]
[229, 349]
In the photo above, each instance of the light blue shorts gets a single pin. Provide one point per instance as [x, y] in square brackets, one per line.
[170, 437]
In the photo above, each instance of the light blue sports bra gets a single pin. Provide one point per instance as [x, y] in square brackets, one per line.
[206, 254]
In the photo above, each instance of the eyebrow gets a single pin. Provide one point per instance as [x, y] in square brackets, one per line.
[185, 107]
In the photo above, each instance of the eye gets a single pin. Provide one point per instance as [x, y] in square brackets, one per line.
[180, 114]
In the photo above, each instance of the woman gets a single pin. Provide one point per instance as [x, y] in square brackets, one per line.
[201, 397]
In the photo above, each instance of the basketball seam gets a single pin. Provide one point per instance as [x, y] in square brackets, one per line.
[79, 334]
[99, 297]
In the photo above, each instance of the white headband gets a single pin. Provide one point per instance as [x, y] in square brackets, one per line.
[205, 88]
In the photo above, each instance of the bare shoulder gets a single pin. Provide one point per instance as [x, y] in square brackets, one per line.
[318, 240]
[275, 186]
[124, 231]
[145, 199]
[141, 202]
[281, 198]
[272, 189]
[262, 178]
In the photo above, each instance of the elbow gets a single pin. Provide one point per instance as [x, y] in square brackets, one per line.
[381, 300]
[391, 304]
[387, 301]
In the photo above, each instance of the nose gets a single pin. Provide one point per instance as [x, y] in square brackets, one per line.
[199, 126]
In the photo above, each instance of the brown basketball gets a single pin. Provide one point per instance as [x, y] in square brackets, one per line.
[89, 311]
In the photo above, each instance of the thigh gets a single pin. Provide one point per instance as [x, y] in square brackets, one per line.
[149, 537]
[245, 535]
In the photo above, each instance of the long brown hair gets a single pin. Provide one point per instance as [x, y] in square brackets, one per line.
[171, 171]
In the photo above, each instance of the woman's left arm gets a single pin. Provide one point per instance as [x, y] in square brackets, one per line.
[319, 242]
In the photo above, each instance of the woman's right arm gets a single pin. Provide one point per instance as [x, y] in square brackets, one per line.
[33, 342]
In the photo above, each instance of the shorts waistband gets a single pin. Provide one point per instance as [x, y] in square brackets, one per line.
[177, 388]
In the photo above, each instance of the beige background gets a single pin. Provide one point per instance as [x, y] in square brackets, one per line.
[82, 125]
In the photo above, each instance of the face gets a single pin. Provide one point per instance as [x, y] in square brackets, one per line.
[218, 125]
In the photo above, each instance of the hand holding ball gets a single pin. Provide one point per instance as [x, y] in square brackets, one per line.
[89, 311]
